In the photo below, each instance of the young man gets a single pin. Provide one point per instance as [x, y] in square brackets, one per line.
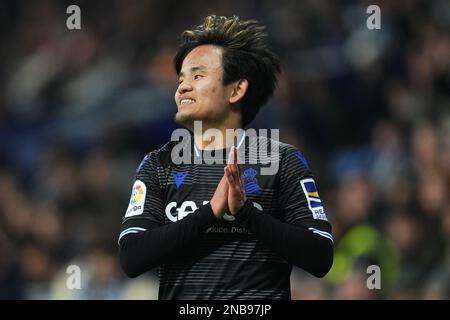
[223, 230]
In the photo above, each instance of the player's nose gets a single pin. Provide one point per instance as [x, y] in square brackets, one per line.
[184, 87]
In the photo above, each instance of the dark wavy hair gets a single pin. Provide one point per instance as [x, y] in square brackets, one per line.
[246, 55]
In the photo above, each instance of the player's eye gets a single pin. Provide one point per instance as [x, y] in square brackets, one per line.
[197, 76]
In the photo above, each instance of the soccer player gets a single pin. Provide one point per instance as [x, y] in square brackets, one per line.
[224, 230]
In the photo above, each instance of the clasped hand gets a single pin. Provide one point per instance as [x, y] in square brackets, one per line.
[229, 196]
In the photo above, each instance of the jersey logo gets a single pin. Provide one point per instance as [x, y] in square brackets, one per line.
[312, 197]
[250, 182]
[136, 205]
[175, 213]
[178, 177]
[300, 157]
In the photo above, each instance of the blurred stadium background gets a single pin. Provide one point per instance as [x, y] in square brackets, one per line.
[369, 109]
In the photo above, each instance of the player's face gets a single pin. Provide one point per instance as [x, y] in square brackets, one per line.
[201, 94]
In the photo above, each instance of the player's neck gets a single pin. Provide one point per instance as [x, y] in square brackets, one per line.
[207, 139]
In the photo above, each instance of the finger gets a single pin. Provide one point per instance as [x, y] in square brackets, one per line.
[229, 176]
[236, 172]
[241, 169]
[233, 172]
[232, 182]
[223, 182]
[230, 157]
[230, 162]
[233, 187]
[226, 175]
[238, 169]
[235, 157]
[241, 181]
[239, 166]
[231, 165]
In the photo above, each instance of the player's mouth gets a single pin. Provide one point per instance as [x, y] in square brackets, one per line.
[186, 101]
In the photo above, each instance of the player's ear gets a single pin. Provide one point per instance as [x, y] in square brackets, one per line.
[238, 91]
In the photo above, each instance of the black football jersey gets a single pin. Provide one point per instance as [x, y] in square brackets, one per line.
[227, 261]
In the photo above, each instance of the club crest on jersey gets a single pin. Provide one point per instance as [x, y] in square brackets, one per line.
[136, 205]
[312, 196]
[250, 182]
[178, 177]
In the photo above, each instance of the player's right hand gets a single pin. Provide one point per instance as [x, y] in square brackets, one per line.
[219, 201]
[236, 190]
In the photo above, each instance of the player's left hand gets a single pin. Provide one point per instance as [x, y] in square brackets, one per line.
[236, 191]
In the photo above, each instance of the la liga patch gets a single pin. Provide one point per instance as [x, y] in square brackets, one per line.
[312, 196]
[137, 200]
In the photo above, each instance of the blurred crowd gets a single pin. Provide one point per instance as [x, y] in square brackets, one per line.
[369, 109]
